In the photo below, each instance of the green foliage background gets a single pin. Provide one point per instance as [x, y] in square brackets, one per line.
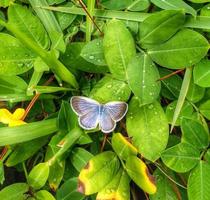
[152, 54]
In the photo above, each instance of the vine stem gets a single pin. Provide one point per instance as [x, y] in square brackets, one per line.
[171, 74]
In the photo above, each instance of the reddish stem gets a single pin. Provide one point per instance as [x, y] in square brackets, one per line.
[169, 75]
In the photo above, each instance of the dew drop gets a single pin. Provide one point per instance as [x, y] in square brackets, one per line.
[91, 57]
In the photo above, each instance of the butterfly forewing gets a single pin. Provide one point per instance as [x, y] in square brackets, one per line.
[84, 105]
[87, 110]
[106, 123]
[117, 110]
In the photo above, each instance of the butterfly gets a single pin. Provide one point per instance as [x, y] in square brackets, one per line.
[91, 113]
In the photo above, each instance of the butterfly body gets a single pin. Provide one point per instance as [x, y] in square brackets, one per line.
[91, 113]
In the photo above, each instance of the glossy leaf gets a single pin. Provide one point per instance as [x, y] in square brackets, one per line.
[182, 96]
[186, 111]
[165, 188]
[181, 157]
[68, 191]
[204, 108]
[93, 52]
[14, 57]
[38, 175]
[161, 26]
[142, 79]
[117, 189]
[201, 73]
[198, 182]
[175, 5]
[110, 89]
[12, 87]
[180, 51]
[116, 4]
[139, 5]
[58, 167]
[119, 48]
[24, 151]
[170, 87]
[122, 146]
[195, 93]
[26, 132]
[72, 58]
[14, 191]
[44, 195]
[2, 178]
[148, 127]
[50, 23]
[100, 169]
[22, 19]
[80, 158]
[194, 133]
[139, 173]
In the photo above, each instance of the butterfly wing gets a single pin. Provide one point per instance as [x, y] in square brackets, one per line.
[106, 123]
[87, 110]
[117, 110]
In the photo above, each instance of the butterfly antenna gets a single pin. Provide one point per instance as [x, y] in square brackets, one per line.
[88, 14]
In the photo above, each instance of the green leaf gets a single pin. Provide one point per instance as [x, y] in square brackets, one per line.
[115, 4]
[38, 175]
[180, 51]
[93, 52]
[22, 19]
[186, 111]
[12, 87]
[64, 19]
[110, 89]
[175, 5]
[139, 5]
[182, 96]
[204, 108]
[25, 150]
[58, 167]
[201, 73]
[122, 146]
[118, 188]
[181, 157]
[6, 3]
[73, 59]
[194, 133]
[44, 195]
[119, 48]
[139, 173]
[165, 188]
[79, 158]
[148, 127]
[14, 191]
[161, 26]
[26, 132]
[50, 23]
[49, 89]
[100, 169]
[198, 182]
[68, 191]
[14, 57]
[170, 87]
[195, 93]
[67, 119]
[142, 79]
[2, 178]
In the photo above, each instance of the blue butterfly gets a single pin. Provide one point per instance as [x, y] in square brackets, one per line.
[91, 113]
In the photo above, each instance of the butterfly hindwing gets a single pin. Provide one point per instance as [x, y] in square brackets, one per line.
[87, 110]
[106, 123]
[117, 110]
